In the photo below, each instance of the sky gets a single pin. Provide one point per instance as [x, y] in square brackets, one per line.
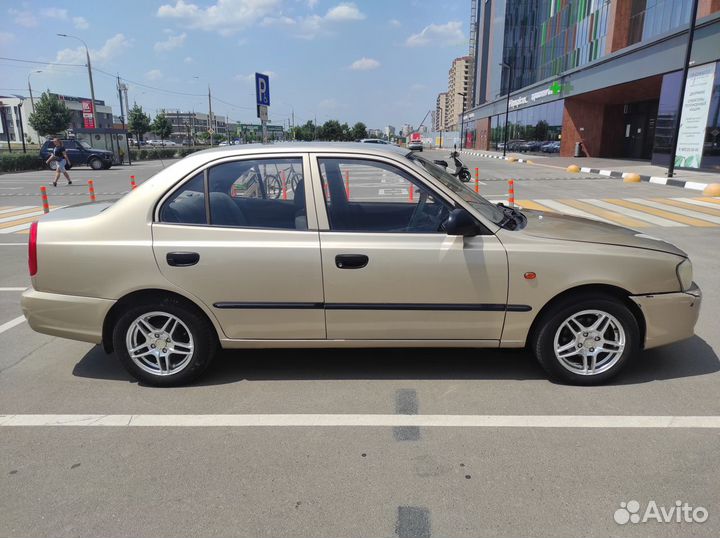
[376, 61]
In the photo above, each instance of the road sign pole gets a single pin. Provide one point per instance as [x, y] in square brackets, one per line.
[264, 131]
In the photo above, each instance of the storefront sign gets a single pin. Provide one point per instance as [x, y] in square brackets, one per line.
[87, 112]
[696, 105]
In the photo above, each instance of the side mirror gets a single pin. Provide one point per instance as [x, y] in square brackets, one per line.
[460, 222]
[442, 163]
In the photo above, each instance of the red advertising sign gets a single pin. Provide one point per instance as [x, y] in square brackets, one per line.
[87, 111]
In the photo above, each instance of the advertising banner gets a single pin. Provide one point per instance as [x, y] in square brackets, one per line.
[87, 112]
[693, 121]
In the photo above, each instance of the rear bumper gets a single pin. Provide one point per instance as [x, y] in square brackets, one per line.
[669, 317]
[66, 316]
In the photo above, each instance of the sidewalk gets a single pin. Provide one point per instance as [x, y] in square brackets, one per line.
[613, 168]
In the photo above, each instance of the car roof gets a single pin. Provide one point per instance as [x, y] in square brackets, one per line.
[282, 147]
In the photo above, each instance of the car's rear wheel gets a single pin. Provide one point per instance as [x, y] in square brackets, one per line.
[164, 344]
[95, 163]
[52, 165]
[587, 341]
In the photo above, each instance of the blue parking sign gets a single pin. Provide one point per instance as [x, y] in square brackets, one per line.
[262, 89]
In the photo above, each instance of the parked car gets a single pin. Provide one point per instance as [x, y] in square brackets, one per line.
[551, 147]
[208, 254]
[415, 142]
[80, 153]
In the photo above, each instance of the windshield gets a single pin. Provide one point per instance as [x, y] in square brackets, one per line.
[488, 209]
[84, 144]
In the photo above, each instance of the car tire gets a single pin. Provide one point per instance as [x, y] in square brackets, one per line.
[566, 341]
[95, 163]
[52, 165]
[191, 335]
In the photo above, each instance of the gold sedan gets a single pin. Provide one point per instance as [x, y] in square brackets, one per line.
[346, 245]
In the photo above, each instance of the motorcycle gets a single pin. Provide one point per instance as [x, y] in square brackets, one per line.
[461, 171]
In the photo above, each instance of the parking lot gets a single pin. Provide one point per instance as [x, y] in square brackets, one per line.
[438, 442]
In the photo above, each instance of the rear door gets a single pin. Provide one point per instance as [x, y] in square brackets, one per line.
[390, 272]
[242, 240]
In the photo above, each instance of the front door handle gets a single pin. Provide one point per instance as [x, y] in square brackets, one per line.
[182, 259]
[351, 261]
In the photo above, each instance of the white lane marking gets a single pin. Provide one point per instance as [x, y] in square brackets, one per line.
[356, 420]
[605, 173]
[20, 208]
[13, 244]
[13, 289]
[36, 213]
[17, 228]
[568, 210]
[652, 219]
[678, 210]
[702, 203]
[12, 323]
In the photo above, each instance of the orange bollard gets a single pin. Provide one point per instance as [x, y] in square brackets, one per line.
[347, 184]
[411, 193]
[133, 185]
[45, 205]
[284, 184]
[511, 192]
[477, 180]
[91, 186]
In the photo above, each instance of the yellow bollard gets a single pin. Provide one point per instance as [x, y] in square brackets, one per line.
[712, 190]
[574, 168]
[632, 178]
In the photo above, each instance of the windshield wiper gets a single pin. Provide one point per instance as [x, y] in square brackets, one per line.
[511, 214]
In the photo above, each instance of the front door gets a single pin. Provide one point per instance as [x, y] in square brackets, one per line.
[240, 237]
[390, 272]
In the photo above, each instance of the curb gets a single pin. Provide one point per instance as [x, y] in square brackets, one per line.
[692, 185]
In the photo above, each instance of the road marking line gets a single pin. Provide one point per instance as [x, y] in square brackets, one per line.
[25, 213]
[13, 289]
[10, 324]
[609, 215]
[568, 210]
[685, 209]
[661, 213]
[709, 199]
[529, 204]
[371, 420]
[652, 219]
[697, 203]
[4, 210]
[18, 224]
[22, 244]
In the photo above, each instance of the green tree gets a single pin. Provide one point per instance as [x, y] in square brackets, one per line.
[51, 116]
[304, 132]
[541, 130]
[138, 122]
[161, 126]
[331, 130]
[359, 131]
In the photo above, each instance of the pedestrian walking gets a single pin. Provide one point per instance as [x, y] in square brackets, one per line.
[60, 156]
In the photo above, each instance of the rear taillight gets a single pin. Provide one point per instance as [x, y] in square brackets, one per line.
[32, 249]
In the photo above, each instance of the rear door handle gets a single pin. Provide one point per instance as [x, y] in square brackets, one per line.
[182, 259]
[351, 261]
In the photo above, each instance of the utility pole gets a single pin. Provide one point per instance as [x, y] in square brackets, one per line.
[5, 126]
[681, 98]
[462, 119]
[89, 66]
[210, 127]
[20, 122]
[507, 106]
[120, 98]
[32, 101]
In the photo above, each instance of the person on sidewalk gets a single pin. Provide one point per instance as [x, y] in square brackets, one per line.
[60, 156]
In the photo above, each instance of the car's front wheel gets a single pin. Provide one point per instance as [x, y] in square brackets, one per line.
[95, 163]
[588, 340]
[164, 344]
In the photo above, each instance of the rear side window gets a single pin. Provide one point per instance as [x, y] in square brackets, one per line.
[187, 204]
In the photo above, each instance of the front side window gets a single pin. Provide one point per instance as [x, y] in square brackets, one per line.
[372, 196]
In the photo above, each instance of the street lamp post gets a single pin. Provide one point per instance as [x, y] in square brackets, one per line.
[462, 119]
[507, 107]
[89, 66]
[32, 101]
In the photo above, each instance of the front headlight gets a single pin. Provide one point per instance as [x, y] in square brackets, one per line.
[685, 274]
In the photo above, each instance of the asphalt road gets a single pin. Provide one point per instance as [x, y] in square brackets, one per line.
[354, 480]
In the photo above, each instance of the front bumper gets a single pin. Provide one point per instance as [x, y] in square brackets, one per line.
[66, 316]
[669, 317]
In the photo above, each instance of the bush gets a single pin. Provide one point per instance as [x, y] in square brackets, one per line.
[17, 162]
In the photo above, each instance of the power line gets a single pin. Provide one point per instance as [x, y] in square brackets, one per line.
[40, 63]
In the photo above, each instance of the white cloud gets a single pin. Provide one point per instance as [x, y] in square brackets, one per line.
[311, 26]
[344, 12]
[25, 19]
[6, 37]
[54, 13]
[81, 23]
[443, 34]
[394, 22]
[225, 16]
[112, 48]
[312, 3]
[188, 59]
[154, 74]
[364, 64]
[171, 43]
